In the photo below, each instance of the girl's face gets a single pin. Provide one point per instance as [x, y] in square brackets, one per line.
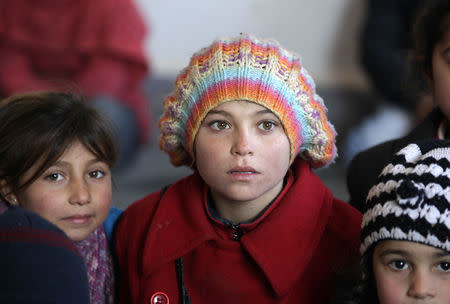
[242, 153]
[440, 80]
[74, 193]
[408, 272]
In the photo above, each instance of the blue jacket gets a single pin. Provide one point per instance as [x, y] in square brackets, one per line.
[113, 216]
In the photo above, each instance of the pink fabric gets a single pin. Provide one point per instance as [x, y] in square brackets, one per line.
[96, 45]
[98, 260]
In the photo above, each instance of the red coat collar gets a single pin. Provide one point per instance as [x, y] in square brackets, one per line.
[291, 228]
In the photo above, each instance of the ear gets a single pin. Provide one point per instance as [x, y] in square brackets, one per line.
[5, 191]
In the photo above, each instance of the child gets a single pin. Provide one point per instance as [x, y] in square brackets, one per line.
[39, 263]
[405, 237]
[56, 154]
[432, 38]
[253, 224]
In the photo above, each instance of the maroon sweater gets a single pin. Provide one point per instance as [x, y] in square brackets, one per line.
[288, 255]
[96, 45]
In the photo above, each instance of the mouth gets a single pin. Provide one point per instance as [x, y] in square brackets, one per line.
[242, 170]
[78, 218]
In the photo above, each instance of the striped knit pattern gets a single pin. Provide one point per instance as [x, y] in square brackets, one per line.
[411, 200]
[247, 68]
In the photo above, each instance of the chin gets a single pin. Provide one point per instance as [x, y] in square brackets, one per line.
[244, 198]
[77, 236]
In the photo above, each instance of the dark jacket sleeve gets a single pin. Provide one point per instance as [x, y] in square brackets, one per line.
[365, 167]
[364, 170]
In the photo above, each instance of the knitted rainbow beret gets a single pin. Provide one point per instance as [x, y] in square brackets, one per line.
[411, 200]
[257, 70]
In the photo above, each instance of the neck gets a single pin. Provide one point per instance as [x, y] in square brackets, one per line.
[241, 211]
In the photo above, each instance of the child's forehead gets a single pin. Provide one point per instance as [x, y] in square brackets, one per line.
[74, 148]
[409, 248]
[240, 104]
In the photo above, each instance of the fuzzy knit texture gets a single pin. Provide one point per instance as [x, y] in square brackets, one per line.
[98, 259]
[256, 70]
[411, 199]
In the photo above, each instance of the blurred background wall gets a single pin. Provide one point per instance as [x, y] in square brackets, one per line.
[324, 32]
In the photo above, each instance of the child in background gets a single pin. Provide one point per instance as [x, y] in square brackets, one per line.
[432, 40]
[97, 45]
[253, 223]
[39, 263]
[405, 234]
[56, 155]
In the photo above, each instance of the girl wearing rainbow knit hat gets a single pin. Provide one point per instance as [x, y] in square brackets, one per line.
[253, 223]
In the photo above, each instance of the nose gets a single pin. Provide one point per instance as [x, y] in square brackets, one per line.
[242, 143]
[421, 286]
[79, 192]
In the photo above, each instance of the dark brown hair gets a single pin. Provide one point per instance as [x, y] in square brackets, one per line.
[365, 291]
[37, 128]
[429, 29]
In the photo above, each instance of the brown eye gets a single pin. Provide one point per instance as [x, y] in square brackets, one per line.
[399, 264]
[220, 125]
[96, 174]
[266, 125]
[54, 177]
[444, 266]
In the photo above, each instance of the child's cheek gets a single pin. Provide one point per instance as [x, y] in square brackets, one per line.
[53, 205]
[104, 203]
[44, 202]
[389, 288]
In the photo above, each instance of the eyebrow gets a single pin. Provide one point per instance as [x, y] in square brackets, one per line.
[225, 113]
[441, 254]
[393, 251]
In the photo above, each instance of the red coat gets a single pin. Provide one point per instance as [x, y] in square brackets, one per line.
[288, 255]
[96, 45]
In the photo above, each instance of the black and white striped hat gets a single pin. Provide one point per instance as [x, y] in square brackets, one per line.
[411, 199]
